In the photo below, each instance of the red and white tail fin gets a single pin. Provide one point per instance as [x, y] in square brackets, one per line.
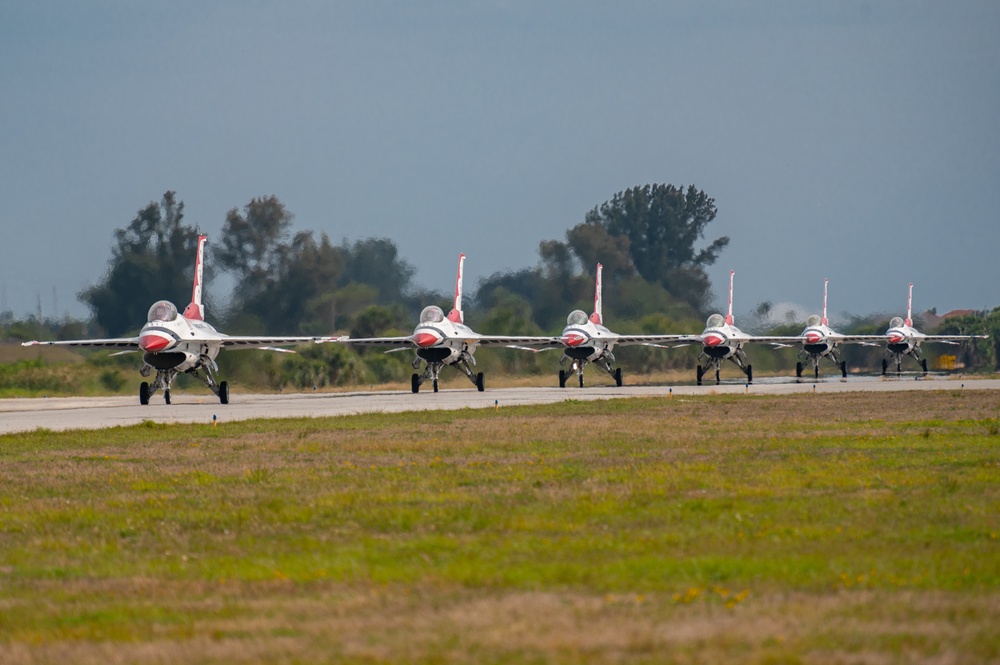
[729, 316]
[196, 310]
[825, 322]
[909, 307]
[598, 315]
[456, 315]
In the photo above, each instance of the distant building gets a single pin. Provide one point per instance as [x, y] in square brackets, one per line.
[932, 320]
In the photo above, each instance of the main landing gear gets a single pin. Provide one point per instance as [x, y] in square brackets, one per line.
[578, 365]
[841, 365]
[433, 370]
[738, 358]
[165, 378]
[899, 364]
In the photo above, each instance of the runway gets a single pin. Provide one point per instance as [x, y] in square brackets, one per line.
[62, 413]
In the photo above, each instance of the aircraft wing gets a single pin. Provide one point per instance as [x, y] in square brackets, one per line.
[110, 343]
[664, 341]
[399, 342]
[526, 343]
[777, 340]
[258, 342]
[950, 339]
[864, 340]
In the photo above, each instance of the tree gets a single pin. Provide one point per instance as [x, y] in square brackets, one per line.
[253, 244]
[376, 261]
[305, 280]
[592, 244]
[552, 290]
[663, 224]
[152, 259]
[976, 353]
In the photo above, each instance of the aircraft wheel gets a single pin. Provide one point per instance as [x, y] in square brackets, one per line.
[581, 379]
[885, 366]
[923, 364]
[562, 379]
[224, 392]
[717, 381]
[843, 368]
[817, 371]
[144, 393]
[618, 377]
[480, 382]
[798, 370]
[415, 383]
[701, 373]
[166, 396]
[435, 385]
[749, 373]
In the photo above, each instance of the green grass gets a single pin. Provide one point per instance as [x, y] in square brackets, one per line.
[813, 528]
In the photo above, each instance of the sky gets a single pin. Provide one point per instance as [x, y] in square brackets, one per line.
[852, 140]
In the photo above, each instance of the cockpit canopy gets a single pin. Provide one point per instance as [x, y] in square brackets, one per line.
[432, 314]
[896, 322]
[814, 320]
[163, 310]
[577, 318]
[715, 321]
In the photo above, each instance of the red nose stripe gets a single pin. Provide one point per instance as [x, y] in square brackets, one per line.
[896, 339]
[153, 343]
[713, 340]
[573, 340]
[813, 338]
[425, 339]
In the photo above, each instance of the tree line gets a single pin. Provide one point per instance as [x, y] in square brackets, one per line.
[647, 237]
[651, 240]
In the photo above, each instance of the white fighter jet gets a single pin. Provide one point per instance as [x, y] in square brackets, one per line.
[722, 340]
[902, 339]
[172, 343]
[440, 340]
[821, 341]
[585, 340]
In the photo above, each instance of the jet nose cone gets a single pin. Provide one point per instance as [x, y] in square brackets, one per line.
[424, 339]
[813, 338]
[713, 340]
[154, 342]
[573, 339]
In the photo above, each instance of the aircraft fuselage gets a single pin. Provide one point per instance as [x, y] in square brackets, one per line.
[588, 341]
[165, 344]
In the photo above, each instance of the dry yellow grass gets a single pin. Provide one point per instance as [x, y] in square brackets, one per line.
[849, 528]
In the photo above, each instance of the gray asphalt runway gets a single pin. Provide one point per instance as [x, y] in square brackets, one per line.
[98, 412]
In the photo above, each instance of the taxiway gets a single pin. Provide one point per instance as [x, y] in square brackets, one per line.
[61, 413]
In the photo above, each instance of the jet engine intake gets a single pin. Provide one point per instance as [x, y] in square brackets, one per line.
[438, 354]
[169, 360]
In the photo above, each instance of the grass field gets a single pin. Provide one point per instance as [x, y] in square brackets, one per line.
[849, 528]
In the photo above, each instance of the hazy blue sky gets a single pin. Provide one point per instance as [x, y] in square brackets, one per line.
[858, 141]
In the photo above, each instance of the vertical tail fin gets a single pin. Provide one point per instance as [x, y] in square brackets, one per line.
[909, 307]
[825, 322]
[456, 314]
[598, 315]
[196, 310]
[729, 316]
